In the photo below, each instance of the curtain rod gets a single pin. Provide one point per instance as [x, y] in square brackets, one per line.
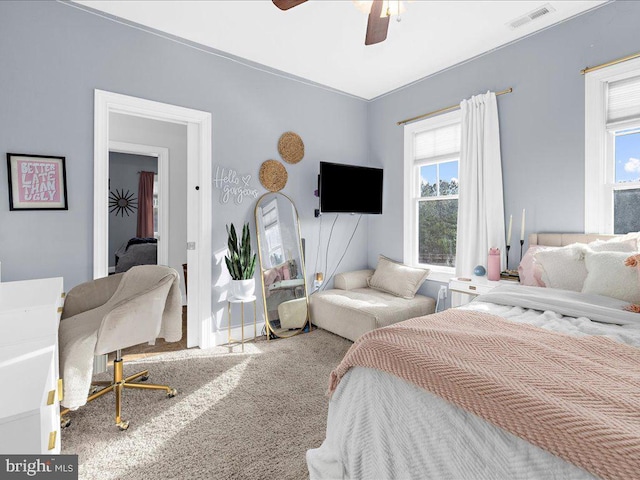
[608, 64]
[442, 110]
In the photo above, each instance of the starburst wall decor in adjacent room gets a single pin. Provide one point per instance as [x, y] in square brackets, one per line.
[121, 203]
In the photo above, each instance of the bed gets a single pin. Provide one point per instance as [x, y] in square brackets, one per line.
[137, 251]
[380, 426]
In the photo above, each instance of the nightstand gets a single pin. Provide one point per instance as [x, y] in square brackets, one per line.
[472, 286]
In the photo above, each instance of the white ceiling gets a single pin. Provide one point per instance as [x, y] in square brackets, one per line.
[323, 40]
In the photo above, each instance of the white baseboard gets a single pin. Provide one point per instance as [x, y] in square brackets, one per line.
[220, 337]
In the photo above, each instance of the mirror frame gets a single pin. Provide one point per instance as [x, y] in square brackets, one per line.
[269, 330]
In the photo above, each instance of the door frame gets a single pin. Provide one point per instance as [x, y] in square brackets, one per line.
[162, 155]
[199, 185]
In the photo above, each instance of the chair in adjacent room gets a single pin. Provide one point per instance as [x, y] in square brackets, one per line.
[110, 314]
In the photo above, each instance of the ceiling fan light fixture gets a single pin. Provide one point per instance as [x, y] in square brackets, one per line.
[390, 8]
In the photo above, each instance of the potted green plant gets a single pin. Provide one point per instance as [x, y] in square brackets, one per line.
[241, 263]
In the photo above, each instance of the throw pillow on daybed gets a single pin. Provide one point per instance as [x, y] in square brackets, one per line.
[396, 278]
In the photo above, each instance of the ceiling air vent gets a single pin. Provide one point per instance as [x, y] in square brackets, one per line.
[533, 15]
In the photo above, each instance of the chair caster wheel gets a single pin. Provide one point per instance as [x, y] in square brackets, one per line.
[65, 422]
[123, 425]
[144, 378]
[172, 393]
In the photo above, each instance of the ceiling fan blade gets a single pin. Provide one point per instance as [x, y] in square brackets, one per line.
[376, 27]
[287, 4]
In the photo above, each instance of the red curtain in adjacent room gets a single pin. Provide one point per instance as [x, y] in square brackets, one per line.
[145, 205]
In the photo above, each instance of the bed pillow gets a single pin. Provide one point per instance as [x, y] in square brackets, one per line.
[632, 238]
[396, 278]
[564, 267]
[529, 270]
[622, 244]
[609, 276]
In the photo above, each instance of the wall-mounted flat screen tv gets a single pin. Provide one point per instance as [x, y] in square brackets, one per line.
[350, 189]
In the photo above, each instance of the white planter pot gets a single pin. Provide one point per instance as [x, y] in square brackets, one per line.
[243, 288]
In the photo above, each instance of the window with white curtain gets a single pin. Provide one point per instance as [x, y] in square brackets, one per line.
[612, 149]
[432, 154]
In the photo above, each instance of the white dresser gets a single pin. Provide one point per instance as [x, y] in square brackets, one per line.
[30, 406]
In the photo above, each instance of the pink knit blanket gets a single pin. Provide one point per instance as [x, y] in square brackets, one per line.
[576, 397]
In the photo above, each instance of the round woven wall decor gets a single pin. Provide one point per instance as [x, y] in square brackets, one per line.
[291, 147]
[273, 175]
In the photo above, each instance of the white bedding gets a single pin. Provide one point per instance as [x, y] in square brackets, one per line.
[381, 427]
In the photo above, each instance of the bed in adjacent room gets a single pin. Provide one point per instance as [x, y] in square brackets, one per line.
[522, 383]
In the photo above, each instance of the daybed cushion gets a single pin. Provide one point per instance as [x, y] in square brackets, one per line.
[350, 313]
[351, 280]
[397, 278]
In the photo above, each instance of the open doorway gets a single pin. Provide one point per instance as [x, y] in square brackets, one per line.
[136, 145]
[197, 125]
[134, 235]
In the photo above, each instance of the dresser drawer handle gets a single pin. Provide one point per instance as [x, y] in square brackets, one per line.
[52, 439]
[60, 390]
[51, 397]
[59, 309]
[472, 287]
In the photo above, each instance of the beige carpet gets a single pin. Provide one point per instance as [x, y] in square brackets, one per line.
[250, 415]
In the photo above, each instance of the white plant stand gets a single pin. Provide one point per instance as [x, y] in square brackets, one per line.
[241, 301]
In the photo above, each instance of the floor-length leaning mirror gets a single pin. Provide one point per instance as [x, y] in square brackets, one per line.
[284, 287]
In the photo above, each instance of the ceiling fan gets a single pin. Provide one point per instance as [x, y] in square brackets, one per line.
[377, 26]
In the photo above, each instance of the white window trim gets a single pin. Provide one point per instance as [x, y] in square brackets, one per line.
[598, 201]
[410, 247]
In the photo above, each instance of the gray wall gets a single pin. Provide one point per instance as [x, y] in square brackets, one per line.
[541, 122]
[54, 56]
[123, 176]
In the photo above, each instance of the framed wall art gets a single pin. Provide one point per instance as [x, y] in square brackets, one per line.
[36, 182]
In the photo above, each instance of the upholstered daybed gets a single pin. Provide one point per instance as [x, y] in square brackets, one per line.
[359, 303]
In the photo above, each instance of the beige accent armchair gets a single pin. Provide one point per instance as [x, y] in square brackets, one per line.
[109, 314]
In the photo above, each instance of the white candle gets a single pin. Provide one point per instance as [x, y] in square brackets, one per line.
[522, 229]
[509, 234]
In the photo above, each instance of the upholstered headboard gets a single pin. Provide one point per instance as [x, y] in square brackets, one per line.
[562, 239]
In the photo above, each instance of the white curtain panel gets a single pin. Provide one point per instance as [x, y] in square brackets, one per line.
[480, 203]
